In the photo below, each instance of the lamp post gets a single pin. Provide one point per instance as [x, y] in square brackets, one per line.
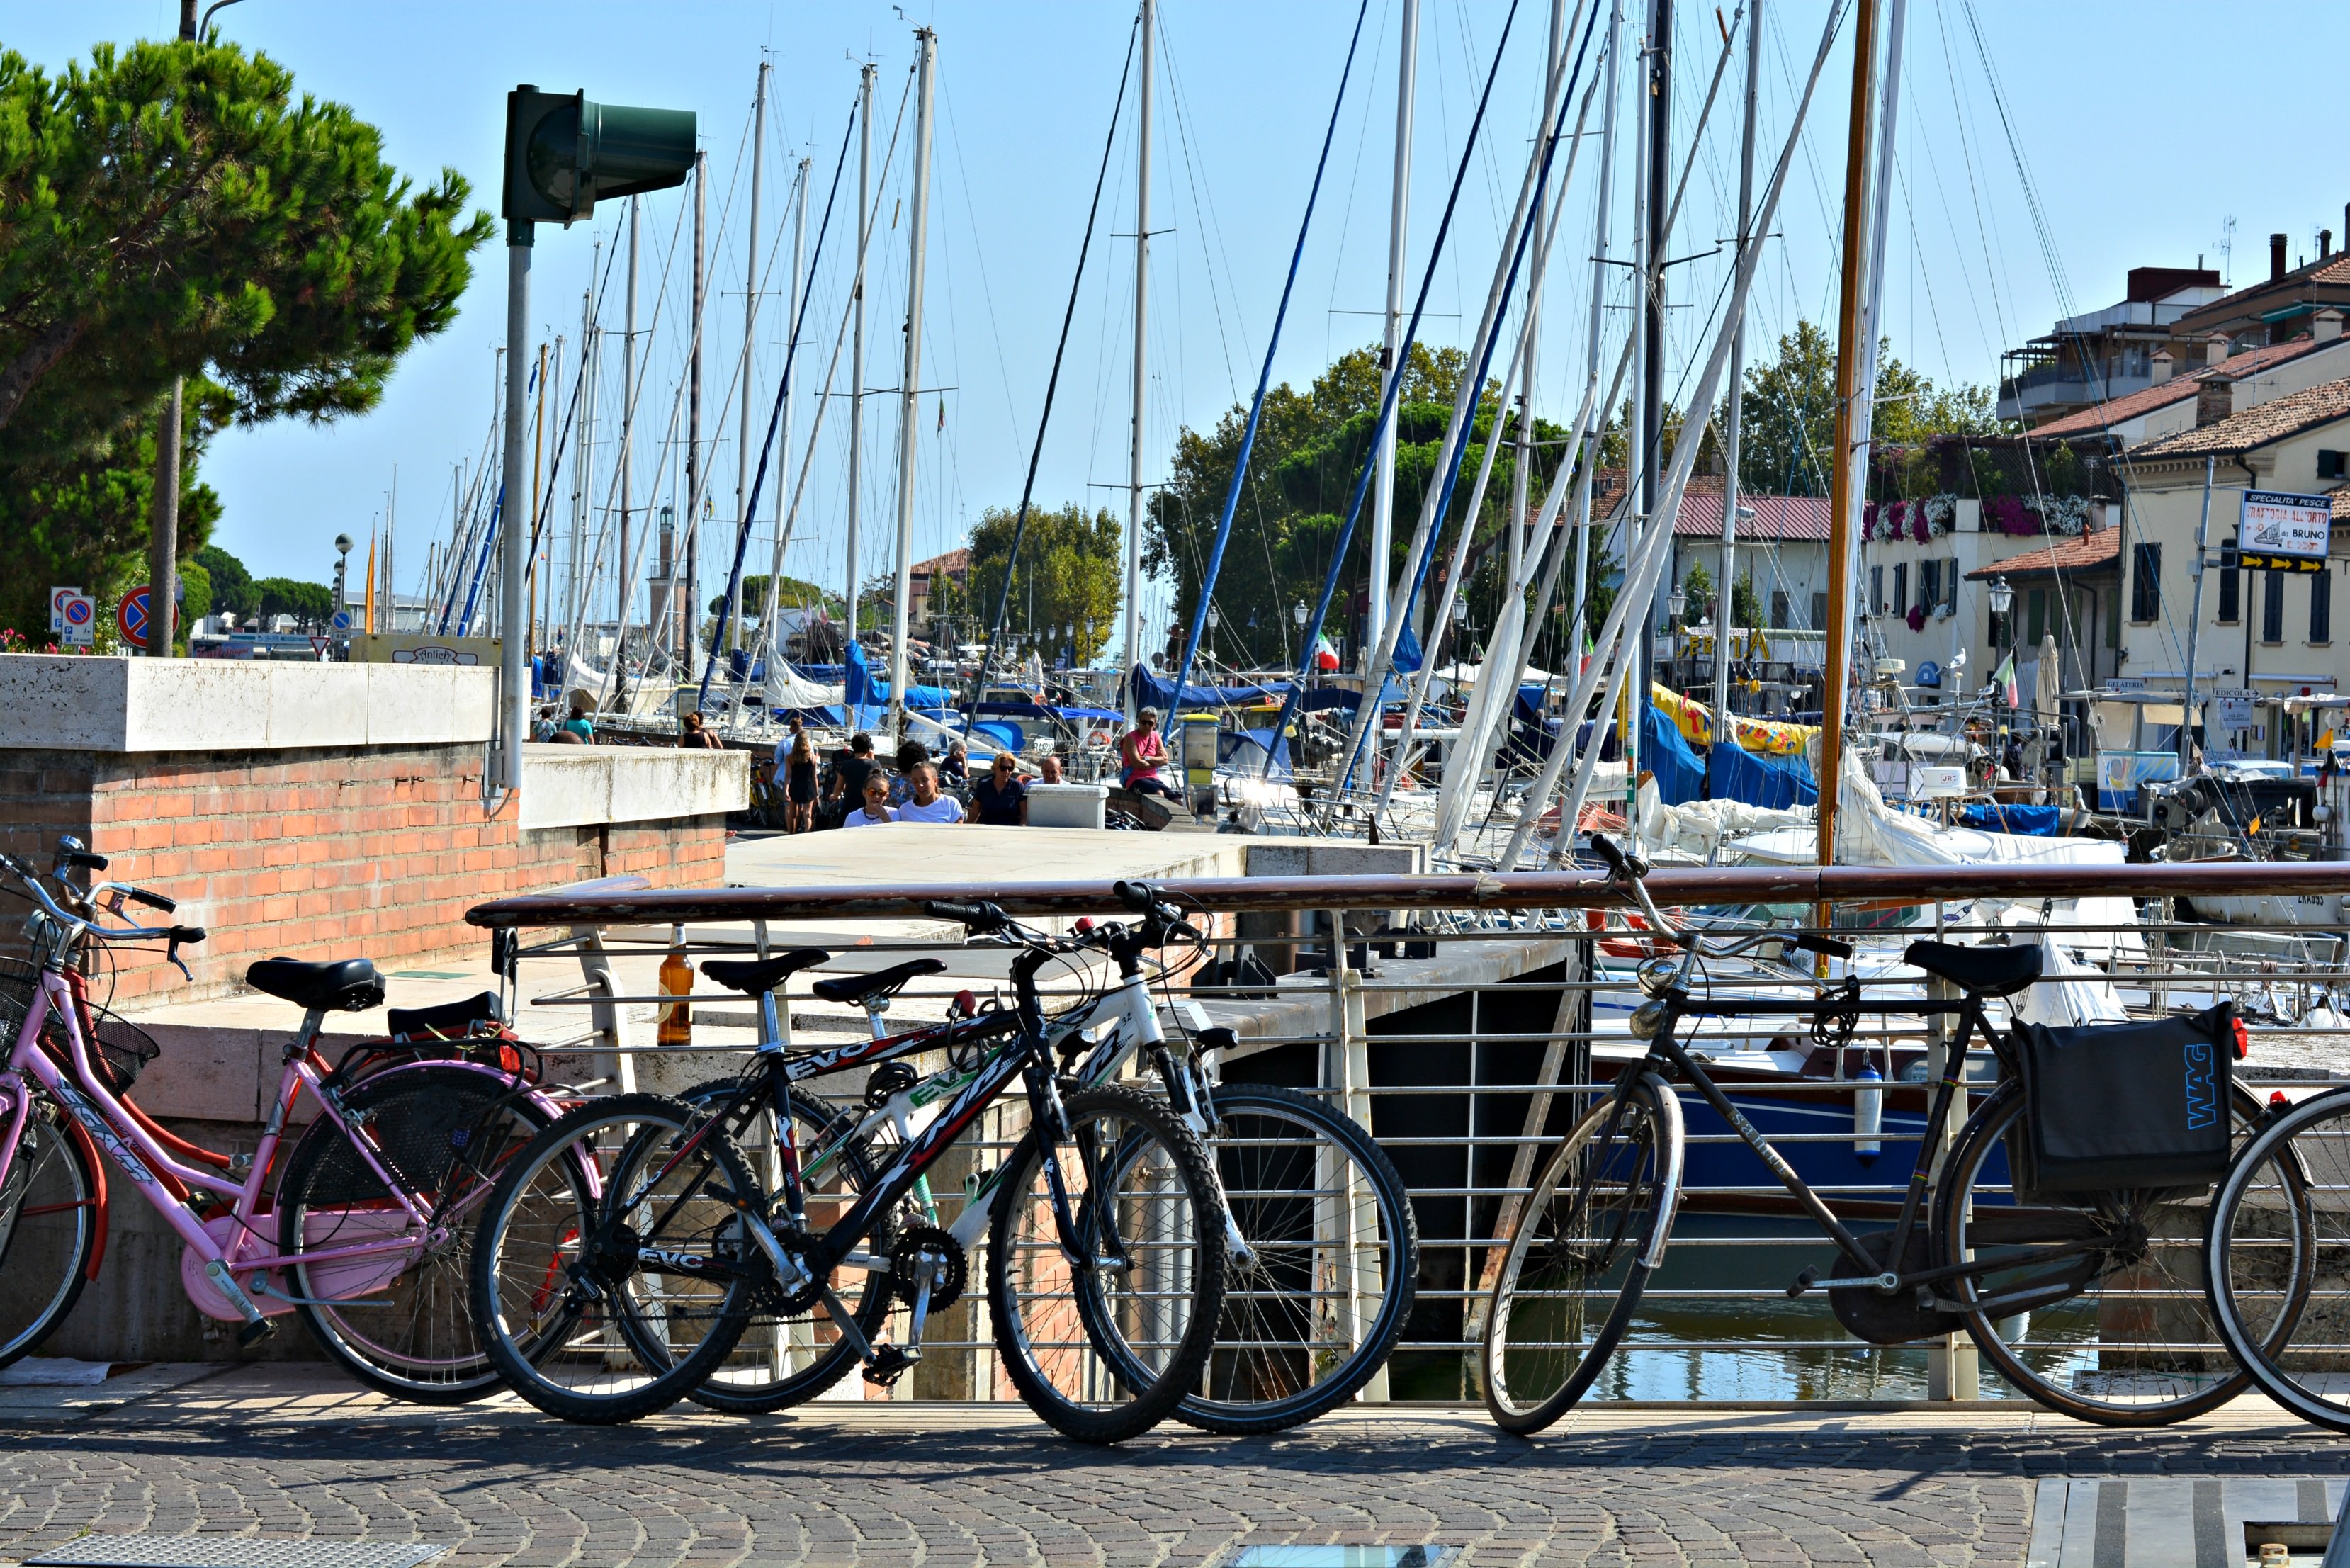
[2003, 600]
[1215, 618]
[342, 575]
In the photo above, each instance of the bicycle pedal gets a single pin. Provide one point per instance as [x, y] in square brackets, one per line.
[889, 1363]
[1804, 1282]
[254, 1332]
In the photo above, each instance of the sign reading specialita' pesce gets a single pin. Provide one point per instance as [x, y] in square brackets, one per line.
[2279, 522]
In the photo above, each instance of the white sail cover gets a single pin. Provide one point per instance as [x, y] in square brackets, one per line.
[787, 688]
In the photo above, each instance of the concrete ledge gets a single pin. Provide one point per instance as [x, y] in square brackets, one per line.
[575, 786]
[129, 705]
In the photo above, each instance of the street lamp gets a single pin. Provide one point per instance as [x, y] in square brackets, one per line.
[342, 575]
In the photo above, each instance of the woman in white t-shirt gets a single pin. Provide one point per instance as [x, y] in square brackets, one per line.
[926, 803]
[876, 809]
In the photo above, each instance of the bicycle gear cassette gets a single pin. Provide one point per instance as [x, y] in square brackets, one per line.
[928, 1244]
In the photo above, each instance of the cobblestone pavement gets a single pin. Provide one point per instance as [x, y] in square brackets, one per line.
[289, 1452]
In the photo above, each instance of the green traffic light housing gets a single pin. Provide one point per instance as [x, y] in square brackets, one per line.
[564, 150]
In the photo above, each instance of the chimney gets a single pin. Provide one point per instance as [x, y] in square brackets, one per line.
[2215, 400]
[2161, 366]
[2326, 324]
[2215, 348]
[2276, 257]
[2324, 243]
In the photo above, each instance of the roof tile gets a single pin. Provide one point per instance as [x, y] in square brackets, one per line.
[2080, 552]
[2256, 426]
[2102, 416]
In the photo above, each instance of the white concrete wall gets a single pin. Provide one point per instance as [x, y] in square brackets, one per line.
[572, 786]
[58, 701]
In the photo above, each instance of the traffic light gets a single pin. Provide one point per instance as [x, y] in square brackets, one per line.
[564, 150]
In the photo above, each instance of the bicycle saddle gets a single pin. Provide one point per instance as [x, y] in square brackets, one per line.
[756, 977]
[446, 1019]
[345, 985]
[862, 988]
[1986, 972]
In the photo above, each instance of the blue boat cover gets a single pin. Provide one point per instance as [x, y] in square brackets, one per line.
[2032, 821]
[1775, 784]
[861, 689]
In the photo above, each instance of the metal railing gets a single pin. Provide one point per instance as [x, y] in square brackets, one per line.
[1463, 1018]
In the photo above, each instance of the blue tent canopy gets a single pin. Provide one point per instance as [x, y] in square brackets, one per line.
[2034, 821]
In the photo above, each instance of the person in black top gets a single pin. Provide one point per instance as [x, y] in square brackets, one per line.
[955, 766]
[854, 764]
[799, 781]
[1001, 799]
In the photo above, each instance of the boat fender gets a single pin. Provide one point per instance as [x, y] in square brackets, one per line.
[1867, 1114]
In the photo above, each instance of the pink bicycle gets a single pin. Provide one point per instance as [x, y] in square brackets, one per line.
[363, 1230]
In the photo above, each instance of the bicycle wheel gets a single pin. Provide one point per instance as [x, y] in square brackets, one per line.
[1581, 1247]
[612, 1309]
[792, 1351]
[399, 1322]
[2122, 1332]
[1311, 1314]
[48, 1228]
[2280, 1251]
[1142, 1198]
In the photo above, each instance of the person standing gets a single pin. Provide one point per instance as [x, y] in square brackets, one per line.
[1001, 799]
[799, 786]
[924, 803]
[877, 809]
[856, 764]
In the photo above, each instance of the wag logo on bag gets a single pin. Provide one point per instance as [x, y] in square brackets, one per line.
[2202, 1094]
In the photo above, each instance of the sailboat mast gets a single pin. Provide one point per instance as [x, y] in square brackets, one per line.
[681, 606]
[1601, 238]
[909, 394]
[750, 338]
[856, 337]
[1522, 459]
[1657, 197]
[627, 433]
[1724, 590]
[1382, 545]
[1849, 353]
[1131, 644]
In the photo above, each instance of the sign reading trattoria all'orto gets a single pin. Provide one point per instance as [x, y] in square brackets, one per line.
[2281, 529]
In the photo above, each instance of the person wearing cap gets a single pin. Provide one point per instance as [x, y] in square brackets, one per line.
[1141, 754]
[1001, 799]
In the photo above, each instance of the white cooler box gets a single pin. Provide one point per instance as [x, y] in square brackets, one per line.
[1065, 804]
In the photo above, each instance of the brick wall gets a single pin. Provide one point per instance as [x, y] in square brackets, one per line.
[371, 852]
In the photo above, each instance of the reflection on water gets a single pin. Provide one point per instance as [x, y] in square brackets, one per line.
[1750, 1341]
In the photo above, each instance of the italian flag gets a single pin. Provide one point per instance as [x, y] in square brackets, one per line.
[2004, 677]
[1326, 658]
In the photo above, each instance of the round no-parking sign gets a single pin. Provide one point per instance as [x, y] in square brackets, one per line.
[131, 618]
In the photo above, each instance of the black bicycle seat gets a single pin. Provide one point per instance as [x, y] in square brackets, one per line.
[446, 1019]
[756, 977]
[862, 988]
[346, 985]
[1986, 972]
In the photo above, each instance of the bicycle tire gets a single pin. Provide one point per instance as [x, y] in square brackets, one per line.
[446, 1131]
[52, 1179]
[598, 1351]
[2124, 1383]
[1627, 1149]
[2306, 1377]
[732, 1387]
[1160, 1175]
[1285, 1310]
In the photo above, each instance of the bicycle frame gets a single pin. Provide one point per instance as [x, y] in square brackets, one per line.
[225, 1246]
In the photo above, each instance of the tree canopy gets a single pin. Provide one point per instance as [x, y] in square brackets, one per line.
[1068, 574]
[174, 210]
[1787, 422]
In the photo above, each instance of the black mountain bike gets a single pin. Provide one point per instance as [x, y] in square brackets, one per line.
[1108, 1254]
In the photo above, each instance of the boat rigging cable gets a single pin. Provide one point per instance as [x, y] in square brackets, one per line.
[1519, 348]
[775, 421]
[1557, 96]
[1265, 376]
[1645, 566]
[1394, 382]
[1052, 385]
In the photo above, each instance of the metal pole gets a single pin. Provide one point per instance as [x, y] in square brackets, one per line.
[1131, 643]
[750, 335]
[1849, 349]
[1581, 523]
[1636, 457]
[163, 556]
[856, 342]
[1657, 193]
[1726, 590]
[682, 604]
[1881, 203]
[1523, 460]
[900, 627]
[628, 434]
[1382, 545]
[537, 457]
[513, 684]
[2194, 619]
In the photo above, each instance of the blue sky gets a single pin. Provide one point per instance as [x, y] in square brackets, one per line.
[2099, 103]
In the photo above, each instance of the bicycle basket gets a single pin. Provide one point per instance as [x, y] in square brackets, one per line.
[2111, 1106]
[120, 1049]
